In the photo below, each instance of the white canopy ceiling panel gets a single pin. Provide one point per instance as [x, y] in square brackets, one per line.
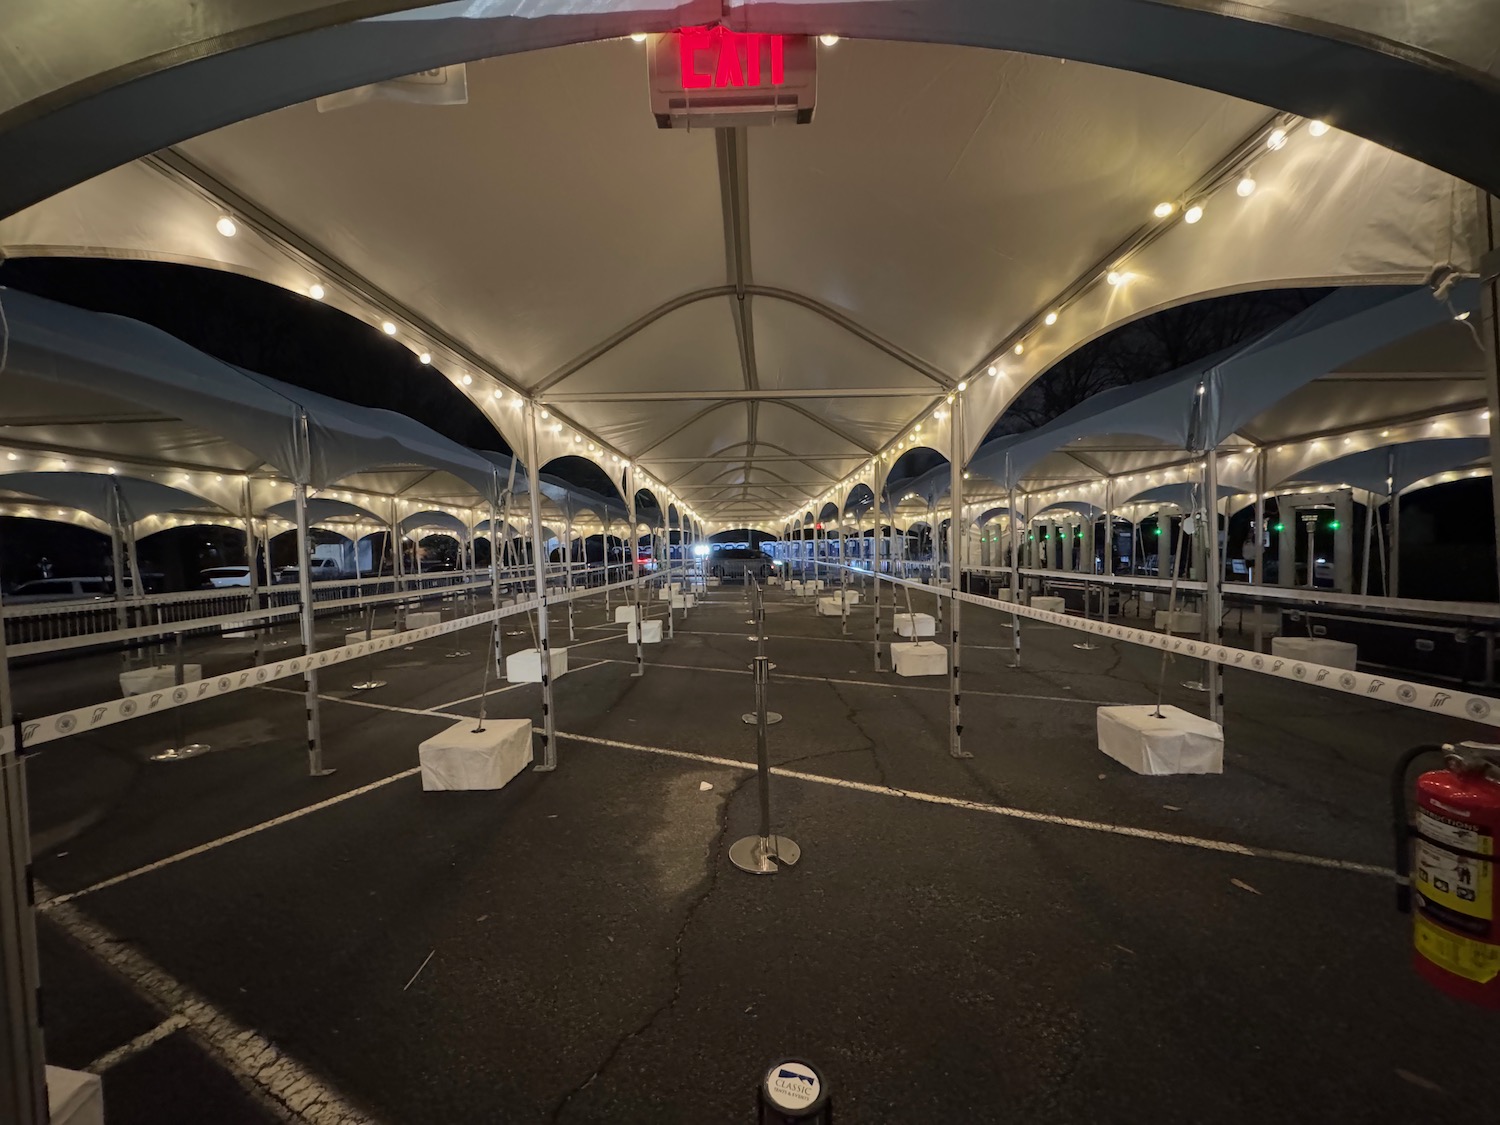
[708, 430]
[1014, 173]
[690, 349]
[796, 348]
[636, 426]
[801, 434]
[556, 163]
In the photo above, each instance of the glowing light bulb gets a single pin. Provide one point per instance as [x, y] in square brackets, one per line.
[1019, 348]
[637, 36]
[1193, 213]
[1246, 187]
[468, 380]
[1462, 316]
[388, 328]
[425, 358]
[828, 40]
[1277, 140]
[226, 226]
[1114, 277]
[1051, 319]
[963, 386]
[1317, 128]
[1164, 210]
[316, 291]
[994, 371]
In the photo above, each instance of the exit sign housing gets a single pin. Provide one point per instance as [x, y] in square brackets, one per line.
[711, 77]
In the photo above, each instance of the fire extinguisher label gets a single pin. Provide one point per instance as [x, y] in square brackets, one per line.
[1477, 961]
[1452, 882]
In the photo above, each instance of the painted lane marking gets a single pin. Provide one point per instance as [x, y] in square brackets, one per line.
[55, 901]
[439, 709]
[174, 1022]
[779, 675]
[1200, 842]
[277, 1079]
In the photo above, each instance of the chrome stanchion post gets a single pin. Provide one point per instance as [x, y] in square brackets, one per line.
[763, 853]
[369, 684]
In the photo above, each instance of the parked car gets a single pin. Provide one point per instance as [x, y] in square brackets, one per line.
[221, 577]
[60, 590]
[733, 564]
[321, 570]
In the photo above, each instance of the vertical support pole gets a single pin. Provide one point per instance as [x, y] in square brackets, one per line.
[666, 555]
[1214, 606]
[1489, 332]
[955, 534]
[1364, 564]
[539, 574]
[568, 573]
[1395, 543]
[1260, 542]
[23, 1080]
[309, 641]
[1108, 566]
[635, 571]
[117, 555]
[875, 563]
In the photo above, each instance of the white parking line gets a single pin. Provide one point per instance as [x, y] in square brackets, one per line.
[1200, 842]
[438, 710]
[55, 901]
[892, 685]
[281, 1082]
[175, 1022]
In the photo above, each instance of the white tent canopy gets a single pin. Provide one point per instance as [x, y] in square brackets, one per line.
[719, 318]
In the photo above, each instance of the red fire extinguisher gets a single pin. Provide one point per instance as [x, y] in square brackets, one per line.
[1446, 872]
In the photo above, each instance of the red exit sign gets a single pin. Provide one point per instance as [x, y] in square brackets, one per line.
[713, 77]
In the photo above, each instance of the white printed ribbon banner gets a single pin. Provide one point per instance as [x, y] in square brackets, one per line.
[1450, 701]
[37, 732]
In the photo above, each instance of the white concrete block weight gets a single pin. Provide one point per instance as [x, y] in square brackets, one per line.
[463, 758]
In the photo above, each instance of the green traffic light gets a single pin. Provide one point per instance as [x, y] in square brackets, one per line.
[1333, 525]
[1278, 527]
[1157, 531]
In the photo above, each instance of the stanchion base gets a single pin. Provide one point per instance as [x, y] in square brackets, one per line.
[961, 755]
[321, 773]
[764, 855]
[1084, 646]
[456, 653]
[1194, 685]
[772, 718]
[178, 753]
[368, 685]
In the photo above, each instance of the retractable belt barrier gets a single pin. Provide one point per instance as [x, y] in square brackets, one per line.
[38, 732]
[1447, 701]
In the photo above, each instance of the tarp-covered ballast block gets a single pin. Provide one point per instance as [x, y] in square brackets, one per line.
[851, 597]
[915, 625]
[1316, 650]
[625, 613]
[360, 636]
[1175, 742]
[684, 601]
[525, 666]
[1049, 605]
[138, 681]
[919, 658]
[464, 758]
[650, 632]
[423, 620]
[830, 607]
[74, 1097]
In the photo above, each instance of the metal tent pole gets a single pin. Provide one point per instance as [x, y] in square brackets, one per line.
[539, 570]
[309, 641]
[23, 1079]
[1015, 568]
[1489, 331]
[955, 534]
[635, 572]
[568, 570]
[1260, 539]
[117, 553]
[1364, 564]
[1215, 576]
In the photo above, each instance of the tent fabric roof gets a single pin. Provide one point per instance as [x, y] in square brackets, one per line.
[320, 510]
[435, 521]
[1396, 467]
[99, 493]
[714, 310]
[1201, 405]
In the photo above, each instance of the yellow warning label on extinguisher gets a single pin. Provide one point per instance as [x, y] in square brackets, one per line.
[1473, 960]
[1460, 883]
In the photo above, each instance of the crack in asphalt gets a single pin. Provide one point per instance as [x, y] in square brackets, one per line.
[711, 883]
